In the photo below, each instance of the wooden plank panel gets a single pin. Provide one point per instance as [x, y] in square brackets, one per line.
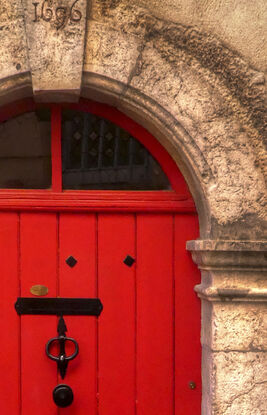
[78, 238]
[155, 371]
[9, 321]
[187, 319]
[117, 322]
[38, 238]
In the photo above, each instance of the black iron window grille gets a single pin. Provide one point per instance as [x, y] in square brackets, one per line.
[97, 154]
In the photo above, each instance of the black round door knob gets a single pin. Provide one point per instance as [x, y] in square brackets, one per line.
[63, 395]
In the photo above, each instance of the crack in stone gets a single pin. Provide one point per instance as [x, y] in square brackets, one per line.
[244, 393]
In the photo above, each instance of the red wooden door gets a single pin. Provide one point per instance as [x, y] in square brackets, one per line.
[140, 356]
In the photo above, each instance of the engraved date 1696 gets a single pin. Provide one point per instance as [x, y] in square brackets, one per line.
[60, 16]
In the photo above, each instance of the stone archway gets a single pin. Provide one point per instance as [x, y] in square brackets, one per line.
[205, 104]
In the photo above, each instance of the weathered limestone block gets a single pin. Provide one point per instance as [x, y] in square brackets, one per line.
[14, 54]
[107, 50]
[55, 37]
[14, 64]
[239, 326]
[238, 22]
[241, 381]
[234, 383]
[234, 325]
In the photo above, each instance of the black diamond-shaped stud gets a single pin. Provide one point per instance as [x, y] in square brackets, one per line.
[129, 261]
[71, 261]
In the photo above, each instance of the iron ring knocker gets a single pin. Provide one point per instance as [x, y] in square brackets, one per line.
[62, 360]
[60, 340]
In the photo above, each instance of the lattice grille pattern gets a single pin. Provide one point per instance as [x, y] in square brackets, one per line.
[98, 154]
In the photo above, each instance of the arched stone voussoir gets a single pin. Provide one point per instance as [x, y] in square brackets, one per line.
[14, 88]
[198, 97]
[158, 122]
[215, 156]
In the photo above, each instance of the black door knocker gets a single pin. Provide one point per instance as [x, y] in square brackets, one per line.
[62, 394]
[62, 359]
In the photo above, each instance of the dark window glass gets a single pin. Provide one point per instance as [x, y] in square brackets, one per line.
[25, 155]
[97, 154]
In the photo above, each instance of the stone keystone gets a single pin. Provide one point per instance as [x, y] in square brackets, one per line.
[55, 32]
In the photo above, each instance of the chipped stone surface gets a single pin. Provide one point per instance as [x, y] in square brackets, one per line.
[240, 326]
[235, 383]
[241, 380]
[13, 50]
[107, 50]
[55, 36]
[242, 24]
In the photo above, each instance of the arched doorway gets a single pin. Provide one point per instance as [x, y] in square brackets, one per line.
[101, 212]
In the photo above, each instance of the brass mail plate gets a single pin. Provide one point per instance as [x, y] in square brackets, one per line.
[39, 290]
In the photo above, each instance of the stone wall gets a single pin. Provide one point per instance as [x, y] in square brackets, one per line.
[241, 25]
[192, 73]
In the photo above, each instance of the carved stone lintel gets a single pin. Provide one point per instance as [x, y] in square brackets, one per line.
[55, 36]
[232, 271]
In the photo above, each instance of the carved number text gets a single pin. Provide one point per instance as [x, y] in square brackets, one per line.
[60, 15]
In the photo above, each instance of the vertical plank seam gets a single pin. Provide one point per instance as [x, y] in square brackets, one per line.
[57, 276]
[97, 323]
[58, 256]
[135, 316]
[174, 298]
[19, 317]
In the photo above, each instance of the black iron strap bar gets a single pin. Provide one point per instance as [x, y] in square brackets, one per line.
[59, 306]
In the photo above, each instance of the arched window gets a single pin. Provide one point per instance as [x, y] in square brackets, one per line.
[96, 154]
[85, 146]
